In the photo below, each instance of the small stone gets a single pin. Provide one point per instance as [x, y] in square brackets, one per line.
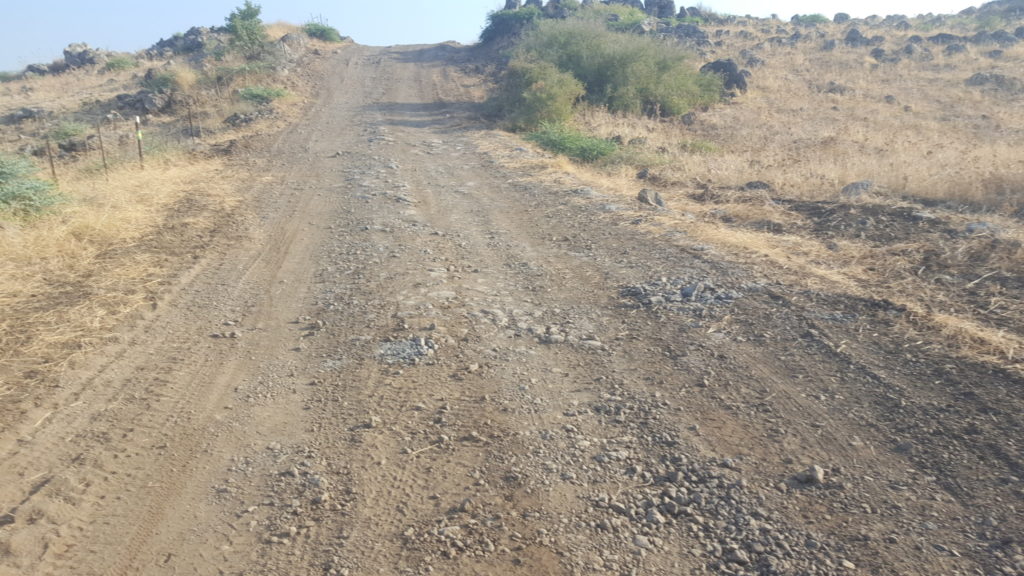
[813, 475]
[641, 541]
[738, 556]
[654, 517]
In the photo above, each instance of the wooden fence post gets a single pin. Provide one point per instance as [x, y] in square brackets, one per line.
[53, 167]
[138, 138]
[103, 151]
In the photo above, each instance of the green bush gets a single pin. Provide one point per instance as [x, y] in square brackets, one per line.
[617, 17]
[21, 193]
[261, 95]
[322, 32]
[9, 76]
[623, 72]
[534, 92]
[67, 131]
[118, 63]
[570, 142]
[509, 24]
[248, 36]
[809, 19]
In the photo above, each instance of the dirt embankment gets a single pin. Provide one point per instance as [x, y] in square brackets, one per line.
[419, 361]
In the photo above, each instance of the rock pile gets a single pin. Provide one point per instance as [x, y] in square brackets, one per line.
[693, 296]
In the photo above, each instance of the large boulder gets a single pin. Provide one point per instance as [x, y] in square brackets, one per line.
[143, 102]
[996, 82]
[660, 8]
[80, 55]
[23, 114]
[37, 70]
[732, 77]
[197, 41]
[945, 39]
[854, 38]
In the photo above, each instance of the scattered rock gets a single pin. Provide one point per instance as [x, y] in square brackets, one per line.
[857, 189]
[650, 197]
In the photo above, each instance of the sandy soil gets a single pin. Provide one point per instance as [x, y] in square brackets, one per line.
[415, 360]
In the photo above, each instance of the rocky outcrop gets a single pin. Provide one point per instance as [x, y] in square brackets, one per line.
[197, 40]
[80, 55]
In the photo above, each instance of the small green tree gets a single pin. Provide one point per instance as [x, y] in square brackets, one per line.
[248, 35]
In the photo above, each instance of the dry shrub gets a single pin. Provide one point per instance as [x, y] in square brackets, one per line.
[276, 30]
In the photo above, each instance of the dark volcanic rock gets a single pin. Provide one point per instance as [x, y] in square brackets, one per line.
[691, 33]
[954, 49]
[732, 78]
[998, 82]
[944, 39]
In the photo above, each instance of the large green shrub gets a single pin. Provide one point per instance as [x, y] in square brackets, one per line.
[509, 24]
[809, 20]
[322, 31]
[21, 193]
[623, 72]
[248, 35]
[532, 92]
[562, 139]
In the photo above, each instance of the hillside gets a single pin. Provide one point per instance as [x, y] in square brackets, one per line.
[368, 330]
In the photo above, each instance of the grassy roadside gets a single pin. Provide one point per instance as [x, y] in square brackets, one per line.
[934, 310]
[70, 278]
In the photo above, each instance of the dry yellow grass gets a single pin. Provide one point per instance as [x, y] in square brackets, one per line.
[913, 127]
[933, 137]
[67, 281]
[845, 266]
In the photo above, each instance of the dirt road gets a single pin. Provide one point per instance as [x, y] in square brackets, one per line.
[417, 361]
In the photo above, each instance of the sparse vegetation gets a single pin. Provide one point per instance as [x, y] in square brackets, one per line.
[321, 31]
[617, 17]
[568, 141]
[261, 95]
[119, 63]
[67, 130]
[9, 77]
[21, 192]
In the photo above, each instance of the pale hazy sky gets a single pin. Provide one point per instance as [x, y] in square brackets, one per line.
[38, 30]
